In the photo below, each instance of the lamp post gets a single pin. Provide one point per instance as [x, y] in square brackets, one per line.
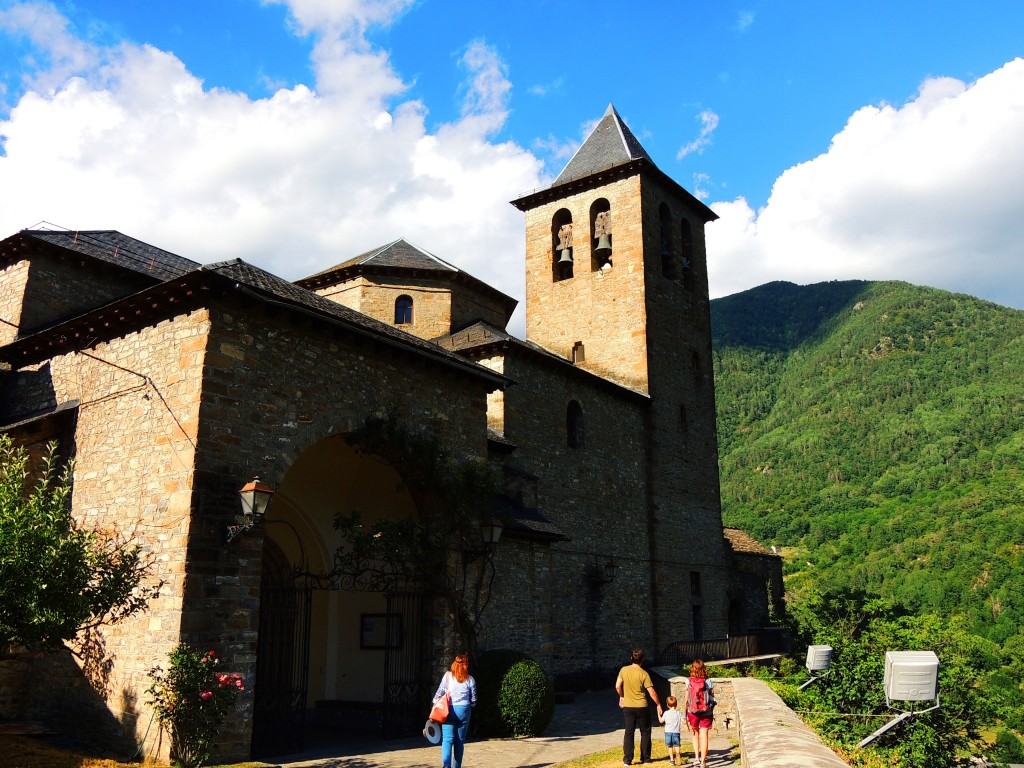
[255, 496]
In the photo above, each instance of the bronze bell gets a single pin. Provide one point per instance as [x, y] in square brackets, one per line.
[604, 247]
[565, 257]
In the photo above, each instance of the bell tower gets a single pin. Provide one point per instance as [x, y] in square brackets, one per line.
[616, 282]
[615, 261]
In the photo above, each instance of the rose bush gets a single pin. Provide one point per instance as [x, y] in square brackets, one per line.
[191, 700]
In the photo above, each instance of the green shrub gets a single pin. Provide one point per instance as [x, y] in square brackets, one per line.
[526, 699]
[511, 704]
[1008, 748]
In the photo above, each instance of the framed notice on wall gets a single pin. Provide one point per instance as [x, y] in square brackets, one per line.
[380, 630]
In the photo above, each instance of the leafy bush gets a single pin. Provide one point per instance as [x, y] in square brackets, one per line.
[1008, 748]
[515, 697]
[526, 699]
[57, 578]
[191, 700]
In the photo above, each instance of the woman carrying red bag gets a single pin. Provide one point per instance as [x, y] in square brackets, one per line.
[460, 687]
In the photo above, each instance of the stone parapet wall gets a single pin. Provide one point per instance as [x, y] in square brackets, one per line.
[771, 734]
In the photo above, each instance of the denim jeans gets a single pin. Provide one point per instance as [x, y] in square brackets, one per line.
[453, 735]
[637, 716]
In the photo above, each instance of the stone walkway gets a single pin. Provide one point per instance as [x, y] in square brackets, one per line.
[591, 723]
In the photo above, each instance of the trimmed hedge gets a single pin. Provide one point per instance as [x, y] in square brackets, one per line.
[515, 697]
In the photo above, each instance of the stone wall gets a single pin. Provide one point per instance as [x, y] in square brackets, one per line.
[375, 296]
[272, 390]
[439, 305]
[13, 279]
[684, 486]
[547, 602]
[58, 287]
[134, 450]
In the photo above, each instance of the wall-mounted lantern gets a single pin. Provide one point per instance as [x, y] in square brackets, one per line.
[490, 531]
[599, 575]
[255, 497]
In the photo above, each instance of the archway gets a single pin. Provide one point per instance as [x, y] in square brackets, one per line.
[361, 654]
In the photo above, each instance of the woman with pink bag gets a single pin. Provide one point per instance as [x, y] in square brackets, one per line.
[460, 688]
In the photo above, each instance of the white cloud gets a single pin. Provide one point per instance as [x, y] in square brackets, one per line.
[743, 20]
[58, 53]
[928, 192]
[708, 123]
[293, 183]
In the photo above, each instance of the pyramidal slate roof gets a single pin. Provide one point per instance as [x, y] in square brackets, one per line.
[112, 247]
[611, 143]
[400, 253]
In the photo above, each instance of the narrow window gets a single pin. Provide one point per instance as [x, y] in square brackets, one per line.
[403, 310]
[695, 583]
[574, 425]
[695, 365]
[669, 262]
[697, 613]
[687, 259]
[684, 423]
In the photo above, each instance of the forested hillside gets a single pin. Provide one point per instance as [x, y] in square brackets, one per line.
[875, 432]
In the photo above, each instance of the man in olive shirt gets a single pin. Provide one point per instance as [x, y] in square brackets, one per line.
[631, 683]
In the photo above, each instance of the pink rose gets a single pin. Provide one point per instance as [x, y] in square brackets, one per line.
[206, 695]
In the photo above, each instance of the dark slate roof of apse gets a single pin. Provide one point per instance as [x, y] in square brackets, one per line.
[399, 253]
[113, 247]
[401, 256]
[611, 143]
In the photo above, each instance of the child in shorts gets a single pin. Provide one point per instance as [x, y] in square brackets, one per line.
[673, 720]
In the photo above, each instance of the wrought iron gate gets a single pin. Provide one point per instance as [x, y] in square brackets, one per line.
[282, 670]
[406, 691]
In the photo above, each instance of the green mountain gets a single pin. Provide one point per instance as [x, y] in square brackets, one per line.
[875, 432]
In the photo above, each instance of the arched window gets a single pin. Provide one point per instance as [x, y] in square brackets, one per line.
[574, 425]
[600, 235]
[403, 310]
[669, 262]
[561, 245]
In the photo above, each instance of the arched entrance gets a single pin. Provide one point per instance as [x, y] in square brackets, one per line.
[337, 658]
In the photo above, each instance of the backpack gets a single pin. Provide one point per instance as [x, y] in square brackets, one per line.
[699, 700]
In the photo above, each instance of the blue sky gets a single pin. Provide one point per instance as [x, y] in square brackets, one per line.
[871, 140]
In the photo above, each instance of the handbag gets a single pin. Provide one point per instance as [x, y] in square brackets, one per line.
[439, 712]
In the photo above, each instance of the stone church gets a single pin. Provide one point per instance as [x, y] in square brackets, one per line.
[172, 384]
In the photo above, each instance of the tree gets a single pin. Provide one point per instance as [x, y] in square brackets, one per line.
[58, 579]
